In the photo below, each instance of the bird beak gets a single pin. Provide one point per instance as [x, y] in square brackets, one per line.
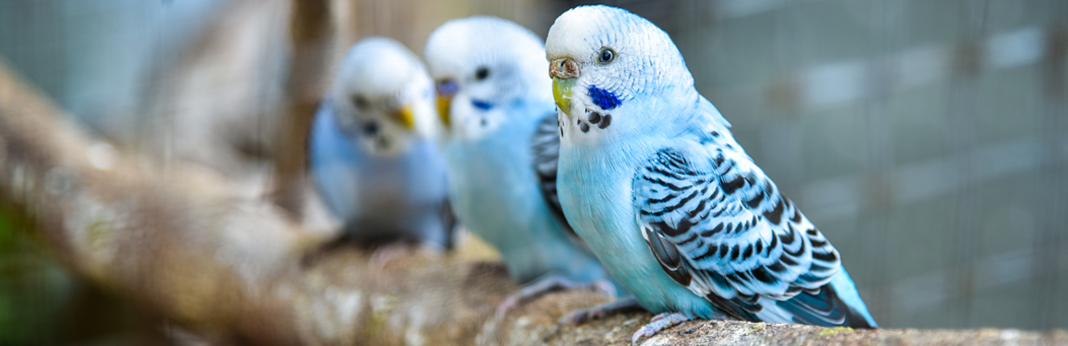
[405, 116]
[562, 93]
[563, 71]
[444, 102]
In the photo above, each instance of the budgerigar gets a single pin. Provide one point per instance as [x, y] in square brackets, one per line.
[651, 178]
[494, 96]
[374, 157]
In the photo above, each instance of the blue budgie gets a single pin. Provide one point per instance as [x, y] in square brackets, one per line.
[374, 156]
[651, 178]
[501, 145]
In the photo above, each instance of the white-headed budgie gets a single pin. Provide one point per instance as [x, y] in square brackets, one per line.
[373, 152]
[652, 180]
[500, 148]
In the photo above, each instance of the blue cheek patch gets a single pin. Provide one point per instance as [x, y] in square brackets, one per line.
[481, 105]
[603, 98]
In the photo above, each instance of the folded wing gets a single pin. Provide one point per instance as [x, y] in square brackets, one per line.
[719, 226]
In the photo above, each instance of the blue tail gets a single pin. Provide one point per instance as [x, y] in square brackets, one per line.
[847, 291]
[835, 304]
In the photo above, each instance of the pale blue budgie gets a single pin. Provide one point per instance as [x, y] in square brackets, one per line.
[374, 156]
[500, 148]
[651, 178]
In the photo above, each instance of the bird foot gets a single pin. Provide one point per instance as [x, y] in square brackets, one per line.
[658, 323]
[618, 306]
[604, 287]
[551, 283]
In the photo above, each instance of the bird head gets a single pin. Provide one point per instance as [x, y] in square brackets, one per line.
[602, 58]
[482, 66]
[384, 96]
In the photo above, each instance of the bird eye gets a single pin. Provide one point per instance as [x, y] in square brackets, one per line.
[370, 128]
[481, 73]
[607, 55]
[360, 102]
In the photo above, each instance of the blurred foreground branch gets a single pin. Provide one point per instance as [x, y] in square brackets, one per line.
[181, 245]
[311, 36]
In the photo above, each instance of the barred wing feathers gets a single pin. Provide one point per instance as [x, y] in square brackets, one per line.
[546, 144]
[722, 229]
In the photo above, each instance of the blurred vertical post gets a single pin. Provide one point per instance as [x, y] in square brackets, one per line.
[311, 34]
[961, 137]
[878, 152]
[1048, 245]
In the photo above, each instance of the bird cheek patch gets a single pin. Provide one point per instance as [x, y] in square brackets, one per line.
[603, 98]
[481, 105]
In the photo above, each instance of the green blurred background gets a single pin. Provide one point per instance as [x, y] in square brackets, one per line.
[42, 304]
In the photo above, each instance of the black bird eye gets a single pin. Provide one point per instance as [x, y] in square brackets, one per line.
[481, 73]
[607, 55]
[370, 128]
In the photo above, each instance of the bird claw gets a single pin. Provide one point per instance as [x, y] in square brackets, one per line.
[601, 311]
[604, 287]
[583, 316]
[658, 323]
[511, 302]
[550, 283]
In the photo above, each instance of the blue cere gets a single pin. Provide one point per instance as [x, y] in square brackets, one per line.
[446, 88]
[603, 98]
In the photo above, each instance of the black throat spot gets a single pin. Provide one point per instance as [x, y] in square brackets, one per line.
[601, 120]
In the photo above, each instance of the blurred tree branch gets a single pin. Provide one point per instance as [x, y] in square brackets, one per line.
[311, 37]
[182, 246]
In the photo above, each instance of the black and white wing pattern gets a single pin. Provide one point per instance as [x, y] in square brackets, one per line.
[720, 227]
[546, 143]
